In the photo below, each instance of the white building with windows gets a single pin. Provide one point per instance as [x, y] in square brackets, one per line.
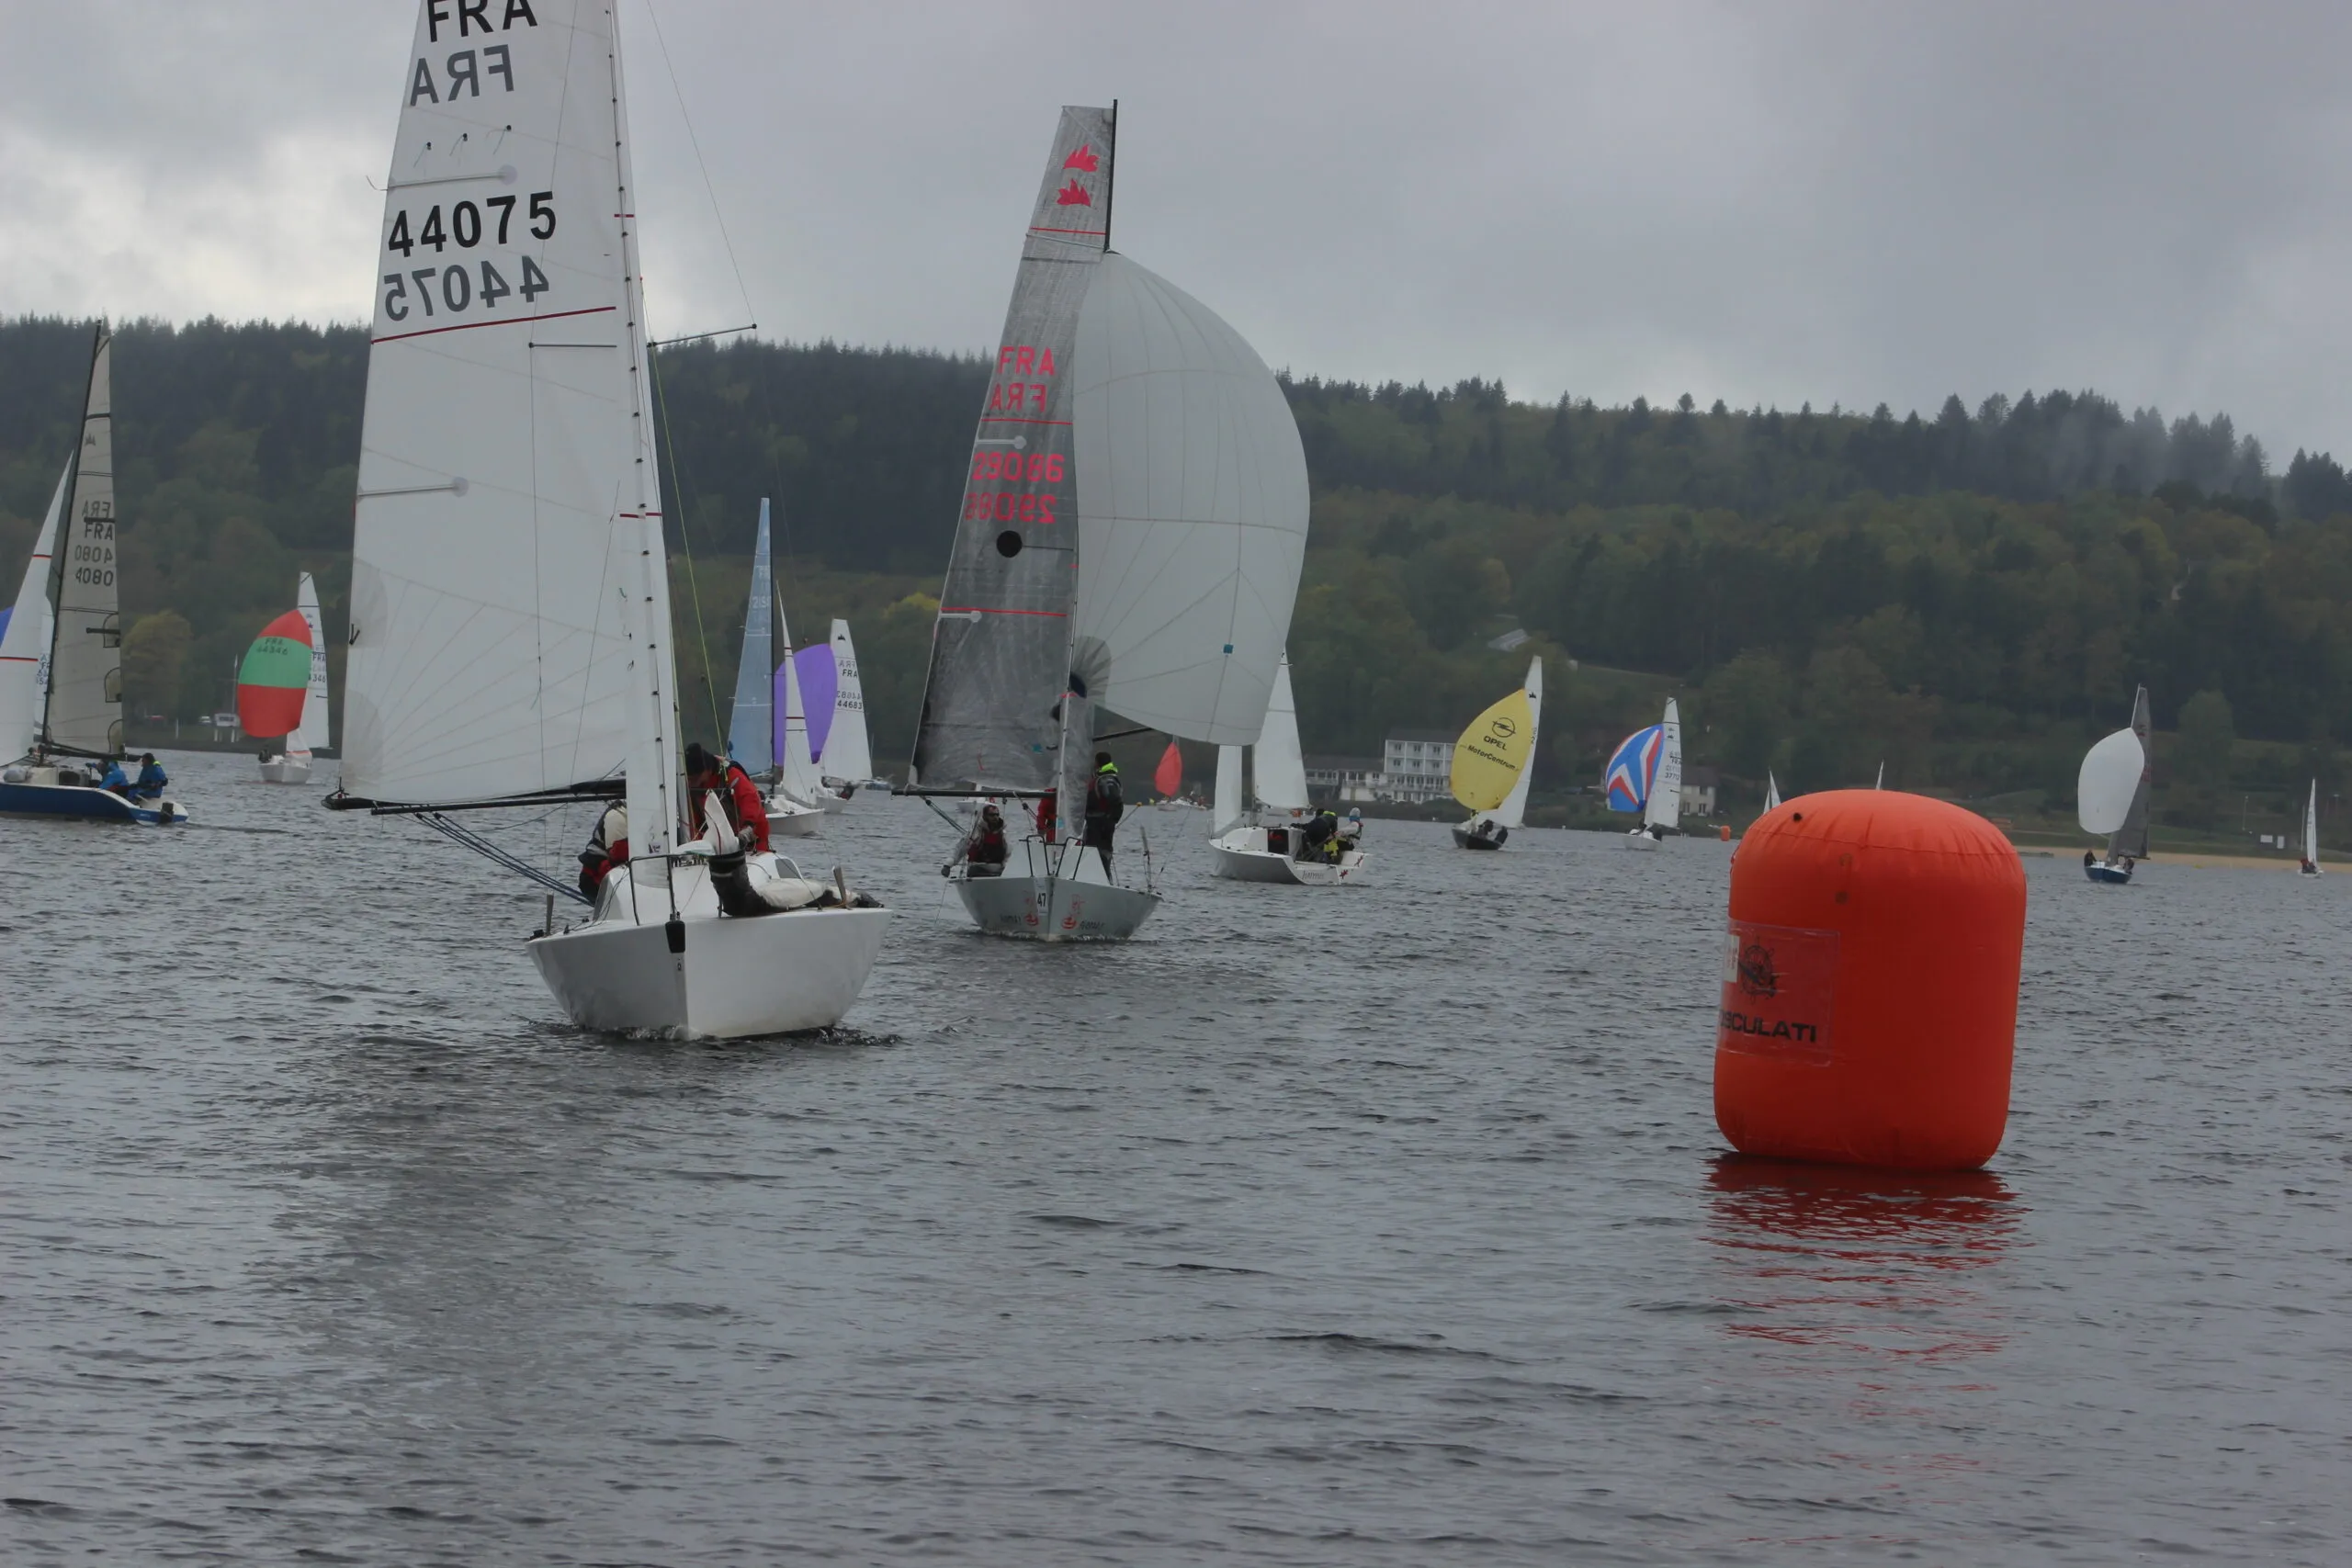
[1343, 778]
[1417, 765]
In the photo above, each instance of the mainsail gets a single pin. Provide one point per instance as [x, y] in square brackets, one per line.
[751, 728]
[510, 613]
[24, 644]
[1664, 806]
[2132, 838]
[316, 729]
[999, 654]
[1281, 767]
[1513, 810]
[85, 669]
[848, 752]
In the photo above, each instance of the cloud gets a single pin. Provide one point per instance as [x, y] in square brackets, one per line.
[1805, 202]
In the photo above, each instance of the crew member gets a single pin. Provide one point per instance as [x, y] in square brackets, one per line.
[607, 847]
[152, 778]
[737, 795]
[1352, 830]
[115, 779]
[1321, 835]
[984, 853]
[1048, 810]
[1103, 806]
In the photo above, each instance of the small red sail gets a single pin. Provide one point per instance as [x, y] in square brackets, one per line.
[1169, 776]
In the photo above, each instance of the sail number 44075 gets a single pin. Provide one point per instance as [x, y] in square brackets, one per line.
[460, 286]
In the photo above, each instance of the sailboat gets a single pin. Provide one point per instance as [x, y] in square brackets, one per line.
[510, 608]
[1249, 847]
[282, 688]
[61, 700]
[1495, 762]
[750, 727]
[835, 702]
[2112, 797]
[1771, 792]
[2311, 832]
[1644, 775]
[1133, 526]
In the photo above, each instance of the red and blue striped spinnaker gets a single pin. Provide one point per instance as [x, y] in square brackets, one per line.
[1635, 768]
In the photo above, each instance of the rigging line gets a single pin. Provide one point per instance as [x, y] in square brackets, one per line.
[695, 141]
[686, 538]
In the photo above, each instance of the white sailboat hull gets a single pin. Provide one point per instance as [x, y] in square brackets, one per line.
[1641, 838]
[788, 818]
[1241, 855]
[294, 770]
[830, 801]
[712, 975]
[1055, 909]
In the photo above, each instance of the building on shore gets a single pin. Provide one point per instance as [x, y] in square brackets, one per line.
[1344, 778]
[1417, 765]
[1699, 791]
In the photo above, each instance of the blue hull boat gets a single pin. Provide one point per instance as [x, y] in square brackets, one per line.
[41, 794]
[2113, 875]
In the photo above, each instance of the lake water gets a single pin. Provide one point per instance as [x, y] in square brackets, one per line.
[1378, 1226]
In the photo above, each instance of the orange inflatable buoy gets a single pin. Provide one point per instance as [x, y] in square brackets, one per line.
[1869, 992]
[1722, 831]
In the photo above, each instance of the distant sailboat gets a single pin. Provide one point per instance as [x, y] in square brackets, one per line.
[1771, 792]
[1495, 756]
[61, 699]
[511, 631]
[1169, 777]
[837, 740]
[1269, 843]
[1881, 782]
[1133, 525]
[2112, 797]
[1644, 775]
[2311, 832]
[271, 704]
[752, 737]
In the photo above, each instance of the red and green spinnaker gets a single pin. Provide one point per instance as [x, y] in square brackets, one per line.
[274, 678]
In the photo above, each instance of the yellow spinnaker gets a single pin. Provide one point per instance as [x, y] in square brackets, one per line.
[1489, 757]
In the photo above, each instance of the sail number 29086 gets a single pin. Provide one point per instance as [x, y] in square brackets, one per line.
[460, 286]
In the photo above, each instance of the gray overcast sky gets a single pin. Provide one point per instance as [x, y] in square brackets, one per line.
[1840, 202]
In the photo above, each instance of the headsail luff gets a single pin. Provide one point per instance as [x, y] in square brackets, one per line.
[84, 710]
[32, 627]
[992, 714]
[2132, 838]
[751, 728]
[510, 621]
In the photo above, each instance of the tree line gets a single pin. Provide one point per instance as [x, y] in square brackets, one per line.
[1965, 596]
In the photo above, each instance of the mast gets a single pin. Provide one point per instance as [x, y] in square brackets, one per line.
[652, 780]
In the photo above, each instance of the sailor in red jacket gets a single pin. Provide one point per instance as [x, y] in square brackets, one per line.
[745, 809]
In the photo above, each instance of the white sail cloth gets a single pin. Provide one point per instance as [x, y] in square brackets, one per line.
[1664, 806]
[1512, 812]
[508, 606]
[85, 703]
[1281, 767]
[24, 649]
[2108, 779]
[849, 752]
[1192, 510]
[313, 728]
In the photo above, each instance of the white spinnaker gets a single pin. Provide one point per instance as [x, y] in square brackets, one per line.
[796, 771]
[1229, 809]
[1513, 810]
[849, 752]
[313, 728]
[1191, 502]
[1664, 808]
[1281, 768]
[498, 542]
[24, 650]
[2108, 779]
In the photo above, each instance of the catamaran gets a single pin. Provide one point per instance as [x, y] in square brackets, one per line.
[510, 635]
[752, 730]
[1495, 762]
[2112, 797]
[1644, 775]
[2311, 832]
[1270, 843]
[282, 688]
[1133, 525]
[61, 667]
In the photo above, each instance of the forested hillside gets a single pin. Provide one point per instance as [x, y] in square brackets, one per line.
[1966, 594]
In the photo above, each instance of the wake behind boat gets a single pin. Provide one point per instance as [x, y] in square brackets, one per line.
[61, 667]
[511, 632]
[1107, 556]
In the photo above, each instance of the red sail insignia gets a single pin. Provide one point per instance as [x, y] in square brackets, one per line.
[1083, 158]
[1073, 195]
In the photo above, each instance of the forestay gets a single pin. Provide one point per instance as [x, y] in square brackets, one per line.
[1001, 652]
[510, 619]
[86, 668]
[1192, 511]
[1281, 767]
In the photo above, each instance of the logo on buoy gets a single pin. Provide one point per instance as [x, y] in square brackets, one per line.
[1755, 966]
